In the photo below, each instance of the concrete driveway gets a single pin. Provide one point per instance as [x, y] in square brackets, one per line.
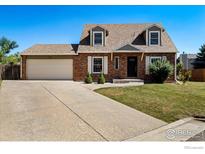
[66, 111]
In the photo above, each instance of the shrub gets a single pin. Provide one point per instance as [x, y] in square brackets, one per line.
[11, 59]
[101, 79]
[88, 78]
[179, 67]
[184, 76]
[160, 71]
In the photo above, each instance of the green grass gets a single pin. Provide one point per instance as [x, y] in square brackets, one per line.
[168, 102]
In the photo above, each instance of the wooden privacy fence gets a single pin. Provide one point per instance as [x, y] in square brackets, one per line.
[10, 72]
[198, 75]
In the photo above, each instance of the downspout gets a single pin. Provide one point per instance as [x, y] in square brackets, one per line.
[111, 56]
[142, 56]
[175, 69]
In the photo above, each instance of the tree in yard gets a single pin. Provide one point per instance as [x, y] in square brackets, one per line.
[160, 70]
[179, 67]
[5, 47]
[11, 59]
[200, 60]
[184, 76]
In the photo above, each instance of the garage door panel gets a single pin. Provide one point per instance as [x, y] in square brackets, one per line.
[49, 68]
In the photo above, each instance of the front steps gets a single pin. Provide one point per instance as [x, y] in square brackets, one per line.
[127, 80]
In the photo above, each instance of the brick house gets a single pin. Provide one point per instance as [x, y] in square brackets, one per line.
[118, 50]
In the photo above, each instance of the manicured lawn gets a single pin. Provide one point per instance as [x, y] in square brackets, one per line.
[168, 102]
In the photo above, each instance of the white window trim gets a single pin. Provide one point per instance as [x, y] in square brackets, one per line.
[154, 57]
[94, 32]
[93, 64]
[158, 38]
[118, 62]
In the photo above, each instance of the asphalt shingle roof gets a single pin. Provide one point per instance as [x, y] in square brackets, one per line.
[51, 49]
[120, 35]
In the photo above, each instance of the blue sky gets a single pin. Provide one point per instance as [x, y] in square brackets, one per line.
[30, 25]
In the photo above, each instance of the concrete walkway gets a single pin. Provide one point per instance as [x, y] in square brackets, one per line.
[95, 86]
[66, 111]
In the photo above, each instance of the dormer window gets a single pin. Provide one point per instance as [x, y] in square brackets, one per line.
[97, 38]
[154, 38]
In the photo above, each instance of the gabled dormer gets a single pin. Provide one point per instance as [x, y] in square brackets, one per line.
[150, 36]
[98, 36]
[154, 36]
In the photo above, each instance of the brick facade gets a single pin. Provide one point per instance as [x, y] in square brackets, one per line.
[23, 67]
[80, 63]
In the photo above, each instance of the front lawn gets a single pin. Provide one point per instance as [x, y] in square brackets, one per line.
[168, 102]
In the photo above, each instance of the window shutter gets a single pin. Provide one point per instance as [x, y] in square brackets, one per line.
[89, 64]
[147, 39]
[147, 62]
[104, 37]
[164, 57]
[91, 37]
[105, 63]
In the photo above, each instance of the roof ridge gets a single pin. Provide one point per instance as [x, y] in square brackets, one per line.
[56, 44]
[123, 23]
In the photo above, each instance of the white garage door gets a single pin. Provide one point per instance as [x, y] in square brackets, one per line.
[49, 69]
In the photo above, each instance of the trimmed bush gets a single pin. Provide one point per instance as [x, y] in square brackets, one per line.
[101, 79]
[88, 78]
[160, 71]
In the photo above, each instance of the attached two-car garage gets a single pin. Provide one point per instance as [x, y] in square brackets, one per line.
[48, 62]
[49, 69]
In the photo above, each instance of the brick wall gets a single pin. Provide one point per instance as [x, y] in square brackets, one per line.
[80, 62]
[23, 67]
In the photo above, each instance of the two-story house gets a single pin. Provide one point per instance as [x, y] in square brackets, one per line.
[120, 51]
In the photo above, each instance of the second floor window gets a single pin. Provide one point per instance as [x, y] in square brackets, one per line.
[154, 38]
[97, 38]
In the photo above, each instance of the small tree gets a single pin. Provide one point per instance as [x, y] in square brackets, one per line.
[184, 76]
[6, 46]
[101, 79]
[88, 78]
[200, 60]
[11, 59]
[179, 67]
[160, 71]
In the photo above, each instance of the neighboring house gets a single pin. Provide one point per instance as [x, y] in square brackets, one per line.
[117, 50]
[187, 61]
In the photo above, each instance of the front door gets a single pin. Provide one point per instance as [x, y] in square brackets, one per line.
[132, 66]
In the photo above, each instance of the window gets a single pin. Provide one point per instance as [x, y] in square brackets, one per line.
[97, 64]
[154, 38]
[97, 38]
[154, 59]
[116, 62]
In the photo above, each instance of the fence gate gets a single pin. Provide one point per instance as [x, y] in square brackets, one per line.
[10, 72]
